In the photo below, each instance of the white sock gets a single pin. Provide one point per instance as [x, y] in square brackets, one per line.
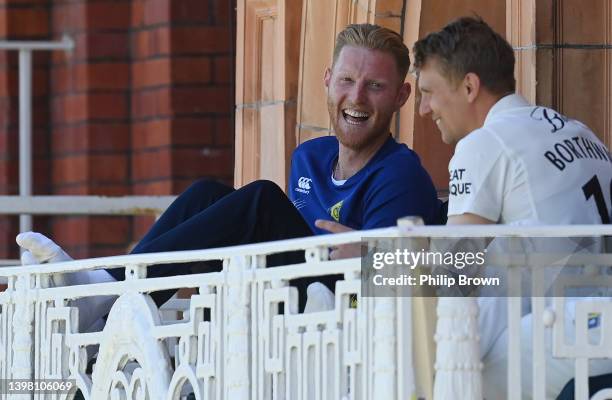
[40, 249]
[320, 298]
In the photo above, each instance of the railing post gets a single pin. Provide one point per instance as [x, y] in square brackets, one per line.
[23, 319]
[237, 355]
[385, 348]
[458, 366]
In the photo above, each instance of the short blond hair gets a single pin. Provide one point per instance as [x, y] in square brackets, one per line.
[375, 37]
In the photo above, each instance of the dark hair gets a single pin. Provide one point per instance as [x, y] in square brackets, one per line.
[376, 38]
[466, 45]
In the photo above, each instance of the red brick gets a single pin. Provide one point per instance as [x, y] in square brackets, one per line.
[41, 174]
[8, 140]
[191, 70]
[108, 168]
[200, 40]
[192, 11]
[108, 188]
[69, 139]
[223, 12]
[110, 230]
[102, 76]
[156, 12]
[113, 136]
[9, 227]
[40, 142]
[108, 15]
[151, 73]
[8, 173]
[8, 84]
[27, 22]
[224, 132]
[107, 105]
[224, 71]
[70, 232]
[137, 13]
[62, 79]
[96, 46]
[108, 45]
[153, 42]
[68, 17]
[142, 225]
[69, 108]
[161, 187]
[151, 164]
[40, 82]
[192, 131]
[73, 169]
[202, 99]
[152, 133]
[71, 189]
[151, 103]
[164, 71]
[3, 24]
[202, 162]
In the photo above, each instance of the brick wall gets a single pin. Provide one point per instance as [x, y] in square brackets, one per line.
[144, 105]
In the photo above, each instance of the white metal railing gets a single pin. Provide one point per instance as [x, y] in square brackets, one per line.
[84, 205]
[235, 343]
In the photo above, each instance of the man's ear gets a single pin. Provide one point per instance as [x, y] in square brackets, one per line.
[471, 84]
[327, 77]
[403, 94]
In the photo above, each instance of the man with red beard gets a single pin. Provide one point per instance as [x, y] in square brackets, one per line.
[361, 178]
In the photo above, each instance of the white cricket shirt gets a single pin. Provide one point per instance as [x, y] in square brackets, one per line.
[530, 163]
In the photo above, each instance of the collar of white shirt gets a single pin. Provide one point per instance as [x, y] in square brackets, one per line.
[506, 103]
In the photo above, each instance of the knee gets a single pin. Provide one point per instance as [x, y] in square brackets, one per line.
[206, 186]
[265, 187]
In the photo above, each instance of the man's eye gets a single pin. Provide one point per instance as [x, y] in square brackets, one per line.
[345, 79]
[375, 85]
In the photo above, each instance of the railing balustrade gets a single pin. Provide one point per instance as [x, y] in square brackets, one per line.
[242, 337]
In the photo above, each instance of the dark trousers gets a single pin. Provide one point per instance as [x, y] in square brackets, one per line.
[209, 214]
[596, 383]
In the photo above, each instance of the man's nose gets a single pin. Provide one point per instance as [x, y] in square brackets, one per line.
[357, 94]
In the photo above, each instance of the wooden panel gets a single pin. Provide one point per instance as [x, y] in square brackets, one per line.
[584, 95]
[574, 67]
[267, 70]
[520, 32]
[583, 22]
[271, 123]
[267, 57]
[318, 36]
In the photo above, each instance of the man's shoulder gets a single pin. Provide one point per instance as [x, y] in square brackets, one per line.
[401, 165]
[484, 139]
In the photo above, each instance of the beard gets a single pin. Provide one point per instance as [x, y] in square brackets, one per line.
[361, 137]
